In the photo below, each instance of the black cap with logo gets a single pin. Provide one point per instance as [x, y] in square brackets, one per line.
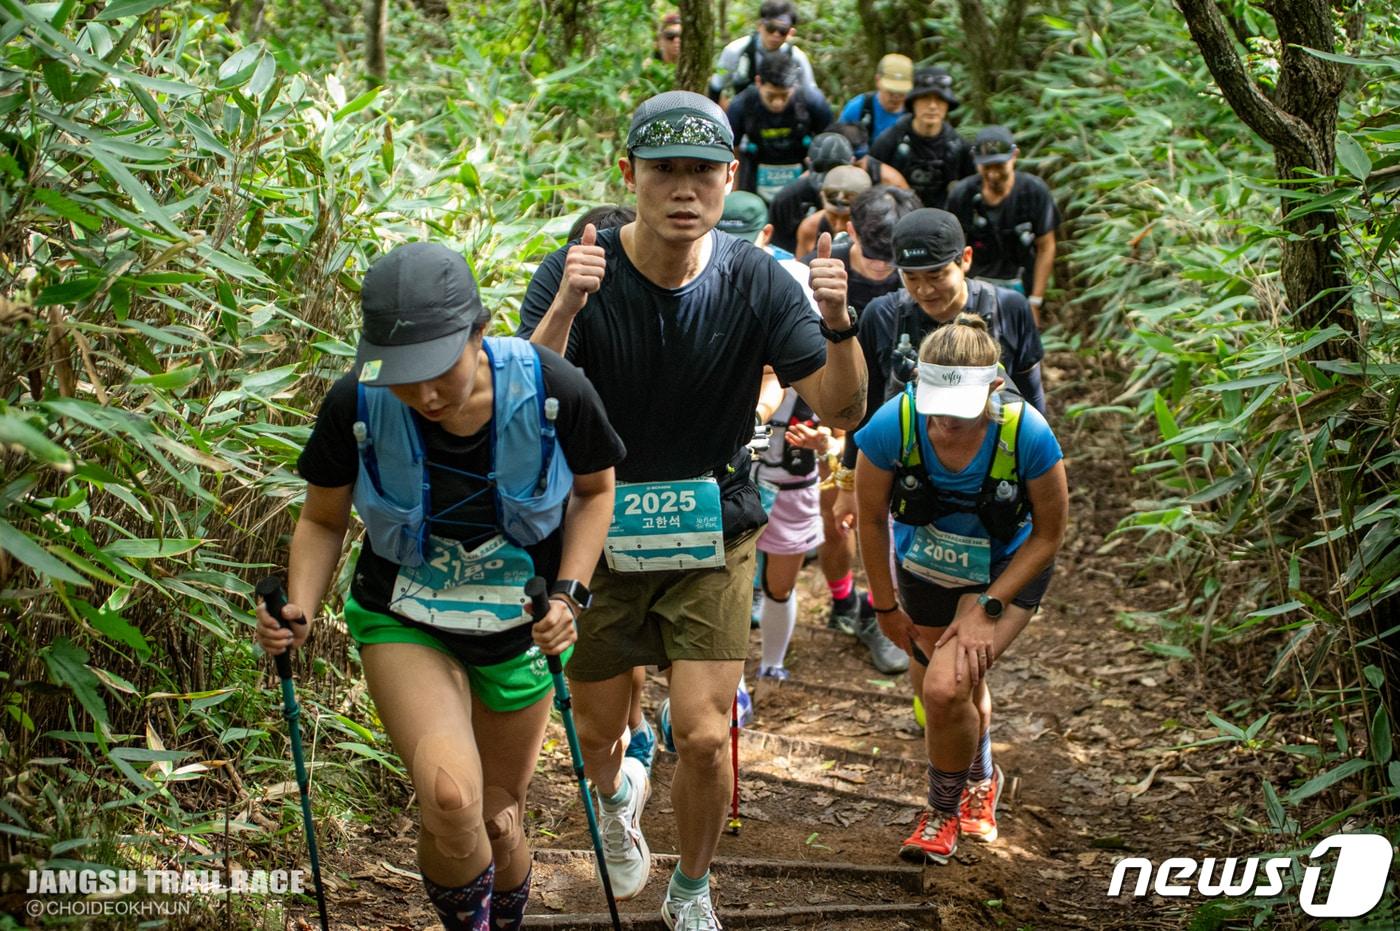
[927, 239]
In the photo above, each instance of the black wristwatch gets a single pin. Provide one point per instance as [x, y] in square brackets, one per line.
[992, 606]
[575, 591]
[838, 336]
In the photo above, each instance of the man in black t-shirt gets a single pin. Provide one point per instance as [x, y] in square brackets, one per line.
[922, 145]
[774, 122]
[1009, 218]
[790, 206]
[673, 323]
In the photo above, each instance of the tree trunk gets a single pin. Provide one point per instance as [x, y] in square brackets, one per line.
[1299, 121]
[376, 28]
[697, 45]
[991, 49]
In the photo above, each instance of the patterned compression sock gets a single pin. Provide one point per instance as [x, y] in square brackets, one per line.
[841, 589]
[945, 789]
[777, 622]
[982, 762]
[683, 887]
[464, 908]
[508, 905]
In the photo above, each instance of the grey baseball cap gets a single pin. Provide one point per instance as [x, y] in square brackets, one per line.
[681, 124]
[829, 150]
[420, 304]
[927, 238]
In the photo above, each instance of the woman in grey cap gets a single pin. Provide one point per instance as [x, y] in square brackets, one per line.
[457, 451]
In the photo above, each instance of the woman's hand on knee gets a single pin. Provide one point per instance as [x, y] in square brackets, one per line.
[974, 635]
[898, 626]
[554, 633]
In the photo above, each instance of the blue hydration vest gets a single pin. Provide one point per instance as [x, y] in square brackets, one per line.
[529, 473]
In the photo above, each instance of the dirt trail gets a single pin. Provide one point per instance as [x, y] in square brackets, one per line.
[832, 766]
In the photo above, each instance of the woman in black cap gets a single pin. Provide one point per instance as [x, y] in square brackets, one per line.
[445, 441]
[975, 482]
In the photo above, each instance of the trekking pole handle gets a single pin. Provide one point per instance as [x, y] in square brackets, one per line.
[538, 591]
[274, 599]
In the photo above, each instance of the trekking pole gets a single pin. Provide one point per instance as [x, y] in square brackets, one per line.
[734, 823]
[536, 589]
[275, 599]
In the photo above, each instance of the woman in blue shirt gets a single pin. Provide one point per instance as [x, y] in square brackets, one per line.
[975, 481]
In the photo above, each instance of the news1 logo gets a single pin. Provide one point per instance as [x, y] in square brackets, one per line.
[1358, 876]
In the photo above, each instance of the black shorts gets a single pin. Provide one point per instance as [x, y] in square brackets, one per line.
[930, 605]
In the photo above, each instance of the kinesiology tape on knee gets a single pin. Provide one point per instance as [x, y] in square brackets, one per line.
[450, 805]
[501, 812]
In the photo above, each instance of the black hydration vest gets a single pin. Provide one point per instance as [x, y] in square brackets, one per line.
[911, 321]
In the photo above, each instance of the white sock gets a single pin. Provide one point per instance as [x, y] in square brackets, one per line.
[776, 624]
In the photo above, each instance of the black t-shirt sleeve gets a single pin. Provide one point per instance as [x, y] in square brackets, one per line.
[331, 459]
[1021, 330]
[738, 108]
[960, 203]
[540, 294]
[876, 324]
[794, 344]
[589, 442]
[1046, 216]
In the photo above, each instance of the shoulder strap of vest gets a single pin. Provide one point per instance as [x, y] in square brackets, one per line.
[516, 371]
[751, 53]
[910, 453]
[1003, 467]
[867, 114]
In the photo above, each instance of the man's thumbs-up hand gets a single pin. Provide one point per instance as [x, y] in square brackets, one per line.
[828, 283]
[584, 265]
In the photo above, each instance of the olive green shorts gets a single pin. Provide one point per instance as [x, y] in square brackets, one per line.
[517, 683]
[656, 618]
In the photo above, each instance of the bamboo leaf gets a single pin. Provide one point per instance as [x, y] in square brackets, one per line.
[120, 9]
[1327, 780]
[152, 549]
[35, 556]
[67, 665]
[1353, 157]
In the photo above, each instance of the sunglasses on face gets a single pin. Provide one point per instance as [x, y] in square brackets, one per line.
[778, 29]
[840, 198]
[670, 36]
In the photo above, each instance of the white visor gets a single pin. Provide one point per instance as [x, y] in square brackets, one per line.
[953, 390]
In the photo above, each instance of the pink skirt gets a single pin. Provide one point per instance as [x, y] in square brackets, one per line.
[795, 523]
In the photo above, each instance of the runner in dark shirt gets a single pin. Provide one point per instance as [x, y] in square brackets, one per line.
[774, 122]
[1009, 218]
[922, 145]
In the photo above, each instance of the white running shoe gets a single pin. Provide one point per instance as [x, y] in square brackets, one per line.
[696, 914]
[625, 850]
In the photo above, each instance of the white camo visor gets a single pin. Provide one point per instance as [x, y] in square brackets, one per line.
[953, 390]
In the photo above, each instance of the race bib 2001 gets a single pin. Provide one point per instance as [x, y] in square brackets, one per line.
[481, 591]
[664, 526]
[949, 559]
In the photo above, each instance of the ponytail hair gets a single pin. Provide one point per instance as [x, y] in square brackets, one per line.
[965, 341]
